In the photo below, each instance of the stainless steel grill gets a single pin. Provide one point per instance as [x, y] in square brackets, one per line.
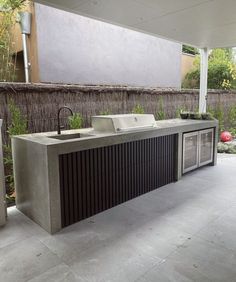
[123, 123]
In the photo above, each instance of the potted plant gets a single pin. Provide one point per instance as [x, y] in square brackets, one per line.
[184, 115]
[207, 116]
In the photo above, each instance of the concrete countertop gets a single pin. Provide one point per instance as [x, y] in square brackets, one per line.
[163, 127]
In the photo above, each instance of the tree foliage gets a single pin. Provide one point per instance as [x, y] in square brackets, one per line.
[221, 71]
[190, 50]
[11, 5]
[8, 15]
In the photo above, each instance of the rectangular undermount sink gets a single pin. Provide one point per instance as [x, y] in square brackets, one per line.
[70, 136]
[123, 123]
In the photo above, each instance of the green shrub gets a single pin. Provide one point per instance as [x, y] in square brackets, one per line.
[232, 117]
[218, 113]
[190, 50]
[105, 113]
[75, 121]
[18, 126]
[222, 147]
[226, 148]
[138, 109]
[180, 110]
[160, 114]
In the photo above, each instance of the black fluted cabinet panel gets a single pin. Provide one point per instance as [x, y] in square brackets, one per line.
[95, 180]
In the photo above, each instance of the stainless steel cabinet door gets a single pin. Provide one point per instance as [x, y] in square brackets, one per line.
[206, 146]
[190, 151]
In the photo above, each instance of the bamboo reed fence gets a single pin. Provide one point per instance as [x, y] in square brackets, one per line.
[39, 102]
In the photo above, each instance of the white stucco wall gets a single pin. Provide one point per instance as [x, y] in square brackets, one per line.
[76, 49]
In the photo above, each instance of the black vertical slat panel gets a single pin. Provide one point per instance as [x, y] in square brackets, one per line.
[75, 187]
[144, 186]
[120, 190]
[92, 192]
[110, 171]
[106, 179]
[130, 169]
[158, 163]
[136, 183]
[70, 188]
[141, 168]
[66, 194]
[163, 163]
[87, 190]
[126, 192]
[154, 160]
[84, 186]
[94, 180]
[62, 190]
[127, 176]
[113, 184]
[149, 166]
[99, 168]
[166, 158]
[79, 182]
[123, 174]
[103, 183]
[117, 194]
[134, 167]
[139, 152]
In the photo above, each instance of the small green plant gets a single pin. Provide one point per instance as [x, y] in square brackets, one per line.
[105, 112]
[75, 121]
[180, 110]
[207, 116]
[233, 131]
[226, 148]
[138, 109]
[18, 126]
[160, 114]
[232, 117]
[218, 113]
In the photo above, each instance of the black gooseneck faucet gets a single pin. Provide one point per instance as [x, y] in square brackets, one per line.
[59, 127]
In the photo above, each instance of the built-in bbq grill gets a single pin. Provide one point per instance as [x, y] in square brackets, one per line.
[123, 123]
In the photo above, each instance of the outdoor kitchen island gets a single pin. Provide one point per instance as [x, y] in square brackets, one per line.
[62, 179]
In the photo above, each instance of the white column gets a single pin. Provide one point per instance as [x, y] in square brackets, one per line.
[203, 79]
[2, 185]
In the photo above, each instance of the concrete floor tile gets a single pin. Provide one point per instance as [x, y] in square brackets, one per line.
[59, 273]
[222, 231]
[24, 260]
[169, 272]
[195, 261]
[120, 261]
[210, 260]
[106, 227]
[18, 228]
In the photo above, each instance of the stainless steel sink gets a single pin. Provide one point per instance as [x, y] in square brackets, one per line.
[70, 136]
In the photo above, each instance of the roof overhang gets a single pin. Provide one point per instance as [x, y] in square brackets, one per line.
[200, 23]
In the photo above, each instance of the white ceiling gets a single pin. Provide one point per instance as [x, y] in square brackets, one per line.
[200, 23]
